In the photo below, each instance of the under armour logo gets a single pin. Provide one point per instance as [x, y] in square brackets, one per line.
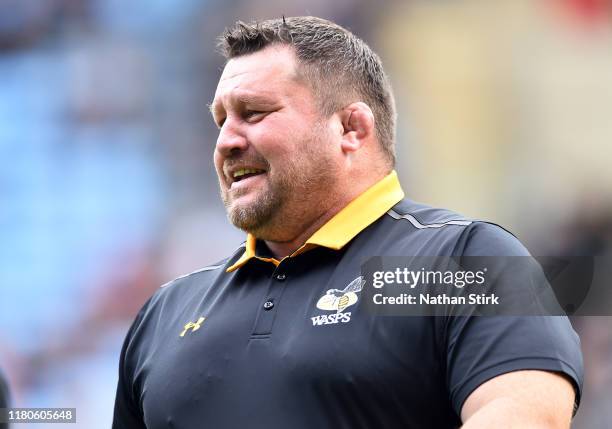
[193, 326]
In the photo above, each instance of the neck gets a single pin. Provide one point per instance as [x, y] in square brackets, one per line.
[280, 249]
[304, 230]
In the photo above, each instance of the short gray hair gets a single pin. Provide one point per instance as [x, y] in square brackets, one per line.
[340, 67]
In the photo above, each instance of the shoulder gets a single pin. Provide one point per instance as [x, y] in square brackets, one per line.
[202, 277]
[197, 277]
[433, 230]
[424, 217]
[175, 295]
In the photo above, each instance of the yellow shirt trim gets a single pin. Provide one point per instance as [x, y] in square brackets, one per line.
[346, 224]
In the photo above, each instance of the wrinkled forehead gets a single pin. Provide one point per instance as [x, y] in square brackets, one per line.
[272, 69]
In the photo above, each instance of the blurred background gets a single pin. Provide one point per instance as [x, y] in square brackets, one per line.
[107, 188]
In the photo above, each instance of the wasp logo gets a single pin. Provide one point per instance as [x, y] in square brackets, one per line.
[338, 300]
[193, 326]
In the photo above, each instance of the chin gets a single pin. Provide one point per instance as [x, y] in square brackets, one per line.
[244, 216]
[243, 221]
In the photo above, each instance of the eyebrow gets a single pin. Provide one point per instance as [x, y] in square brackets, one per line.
[244, 99]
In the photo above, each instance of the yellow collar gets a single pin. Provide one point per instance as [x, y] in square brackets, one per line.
[346, 224]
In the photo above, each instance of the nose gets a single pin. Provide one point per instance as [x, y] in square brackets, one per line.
[231, 139]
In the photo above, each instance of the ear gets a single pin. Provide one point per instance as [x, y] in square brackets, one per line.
[358, 126]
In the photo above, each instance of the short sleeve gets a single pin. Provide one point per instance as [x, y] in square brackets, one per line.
[127, 413]
[482, 347]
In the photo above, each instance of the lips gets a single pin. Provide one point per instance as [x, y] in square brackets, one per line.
[245, 173]
[241, 173]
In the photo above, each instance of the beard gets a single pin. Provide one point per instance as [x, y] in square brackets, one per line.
[295, 191]
[251, 217]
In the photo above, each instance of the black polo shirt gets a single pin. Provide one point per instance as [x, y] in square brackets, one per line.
[253, 342]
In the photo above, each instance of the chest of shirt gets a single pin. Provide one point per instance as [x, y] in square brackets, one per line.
[225, 346]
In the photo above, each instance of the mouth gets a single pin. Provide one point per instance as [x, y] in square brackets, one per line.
[242, 175]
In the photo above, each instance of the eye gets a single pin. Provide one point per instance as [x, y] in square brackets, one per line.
[253, 115]
[220, 122]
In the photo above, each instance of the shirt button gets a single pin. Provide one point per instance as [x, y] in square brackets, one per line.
[268, 305]
[281, 277]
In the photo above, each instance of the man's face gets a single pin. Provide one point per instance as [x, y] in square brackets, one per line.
[274, 155]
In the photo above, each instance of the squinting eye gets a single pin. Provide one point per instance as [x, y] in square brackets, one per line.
[221, 122]
[253, 114]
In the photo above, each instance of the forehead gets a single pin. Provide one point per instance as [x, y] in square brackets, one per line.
[271, 71]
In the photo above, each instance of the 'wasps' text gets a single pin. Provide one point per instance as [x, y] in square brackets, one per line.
[331, 319]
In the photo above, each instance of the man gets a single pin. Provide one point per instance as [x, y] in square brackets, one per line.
[277, 336]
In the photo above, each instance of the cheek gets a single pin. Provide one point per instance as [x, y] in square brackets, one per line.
[218, 162]
[275, 140]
